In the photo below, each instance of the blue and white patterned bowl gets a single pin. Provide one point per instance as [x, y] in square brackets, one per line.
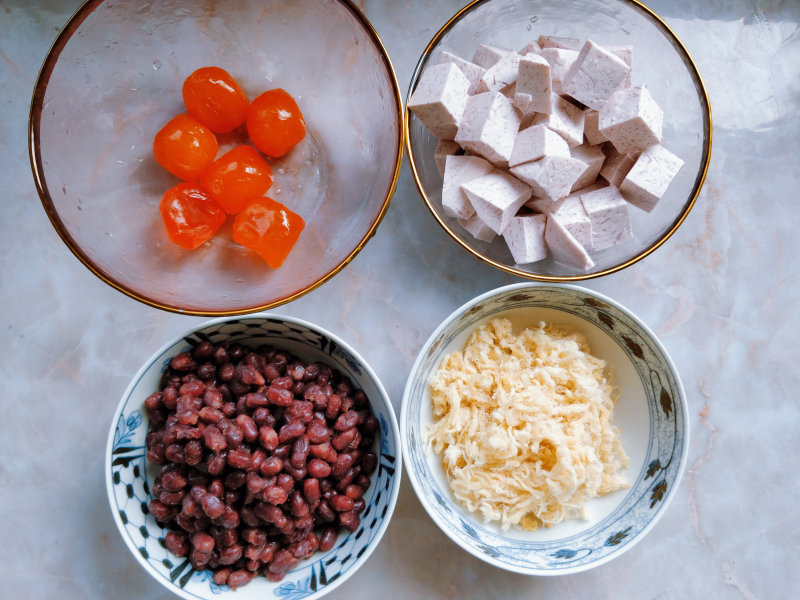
[129, 477]
[651, 413]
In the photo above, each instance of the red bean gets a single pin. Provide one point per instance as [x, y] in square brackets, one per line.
[354, 491]
[343, 439]
[212, 506]
[291, 431]
[279, 396]
[297, 505]
[347, 420]
[318, 468]
[328, 539]
[248, 375]
[182, 362]
[213, 438]
[275, 495]
[341, 503]
[248, 427]
[369, 463]
[311, 490]
[202, 542]
[239, 451]
[332, 408]
[343, 463]
[238, 578]
[221, 576]
[349, 520]
[239, 459]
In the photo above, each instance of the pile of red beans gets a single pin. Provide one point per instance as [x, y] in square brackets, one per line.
[263, 458]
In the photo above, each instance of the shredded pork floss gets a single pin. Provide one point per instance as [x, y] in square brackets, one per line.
[522, 424]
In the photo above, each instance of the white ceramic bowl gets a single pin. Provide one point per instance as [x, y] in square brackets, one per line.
[651, 413]
[660, 61]
[129, 477]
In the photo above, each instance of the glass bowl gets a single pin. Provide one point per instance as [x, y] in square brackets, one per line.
[659, 60]
[113, 78]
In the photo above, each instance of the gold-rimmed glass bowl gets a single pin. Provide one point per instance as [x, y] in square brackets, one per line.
[660, 61]
[113, 78]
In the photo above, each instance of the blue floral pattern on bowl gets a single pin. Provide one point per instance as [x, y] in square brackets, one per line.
[129, 476]
[648, 495]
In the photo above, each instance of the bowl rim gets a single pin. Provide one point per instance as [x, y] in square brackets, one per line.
[40, 180]
[428, 505]
[150, 362]
[687, 207]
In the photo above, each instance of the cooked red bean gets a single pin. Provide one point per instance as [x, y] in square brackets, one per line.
[342, 440]
[275, 495]
[369, 463]
[318, 468]
[290, 431]
[279, 396]
[341, 503]
[311, 491]
[332, 407]
[213, 438]
[343, 463]
[239, 459]
[349, 520]
[346, 421]
[239, 578]
[328, 539]
[221, 576]
[212, 506]
[202, 542]
[258, 449]
[325, 512]
[297, 474]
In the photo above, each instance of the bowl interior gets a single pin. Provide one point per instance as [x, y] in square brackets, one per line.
[129, 476]
[659, 61]
[114, 79]
[650, 412]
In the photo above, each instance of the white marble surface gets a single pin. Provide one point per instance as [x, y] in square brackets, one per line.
[721, 294]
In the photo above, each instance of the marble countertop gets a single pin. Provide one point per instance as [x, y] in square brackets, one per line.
[721, 294]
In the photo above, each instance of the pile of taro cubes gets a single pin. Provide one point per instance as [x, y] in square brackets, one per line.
[548, 146]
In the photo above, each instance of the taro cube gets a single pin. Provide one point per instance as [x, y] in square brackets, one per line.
[458, 171]
[500, 75]
[496, 198]
[591, 129]
[551, 177]
[534, 143]
[626, 54]
[525, 238]
[592, 156]
[472, 71]
[479, 230]
[444, 149]
[488, 127]
[534, 89]
[649, 178]
[566, 119]
[608, 213]
[564, 247]
[631, 120]
[594, 75]
[616, 166]
[440, 98]
[485, 55]
[560, 61]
